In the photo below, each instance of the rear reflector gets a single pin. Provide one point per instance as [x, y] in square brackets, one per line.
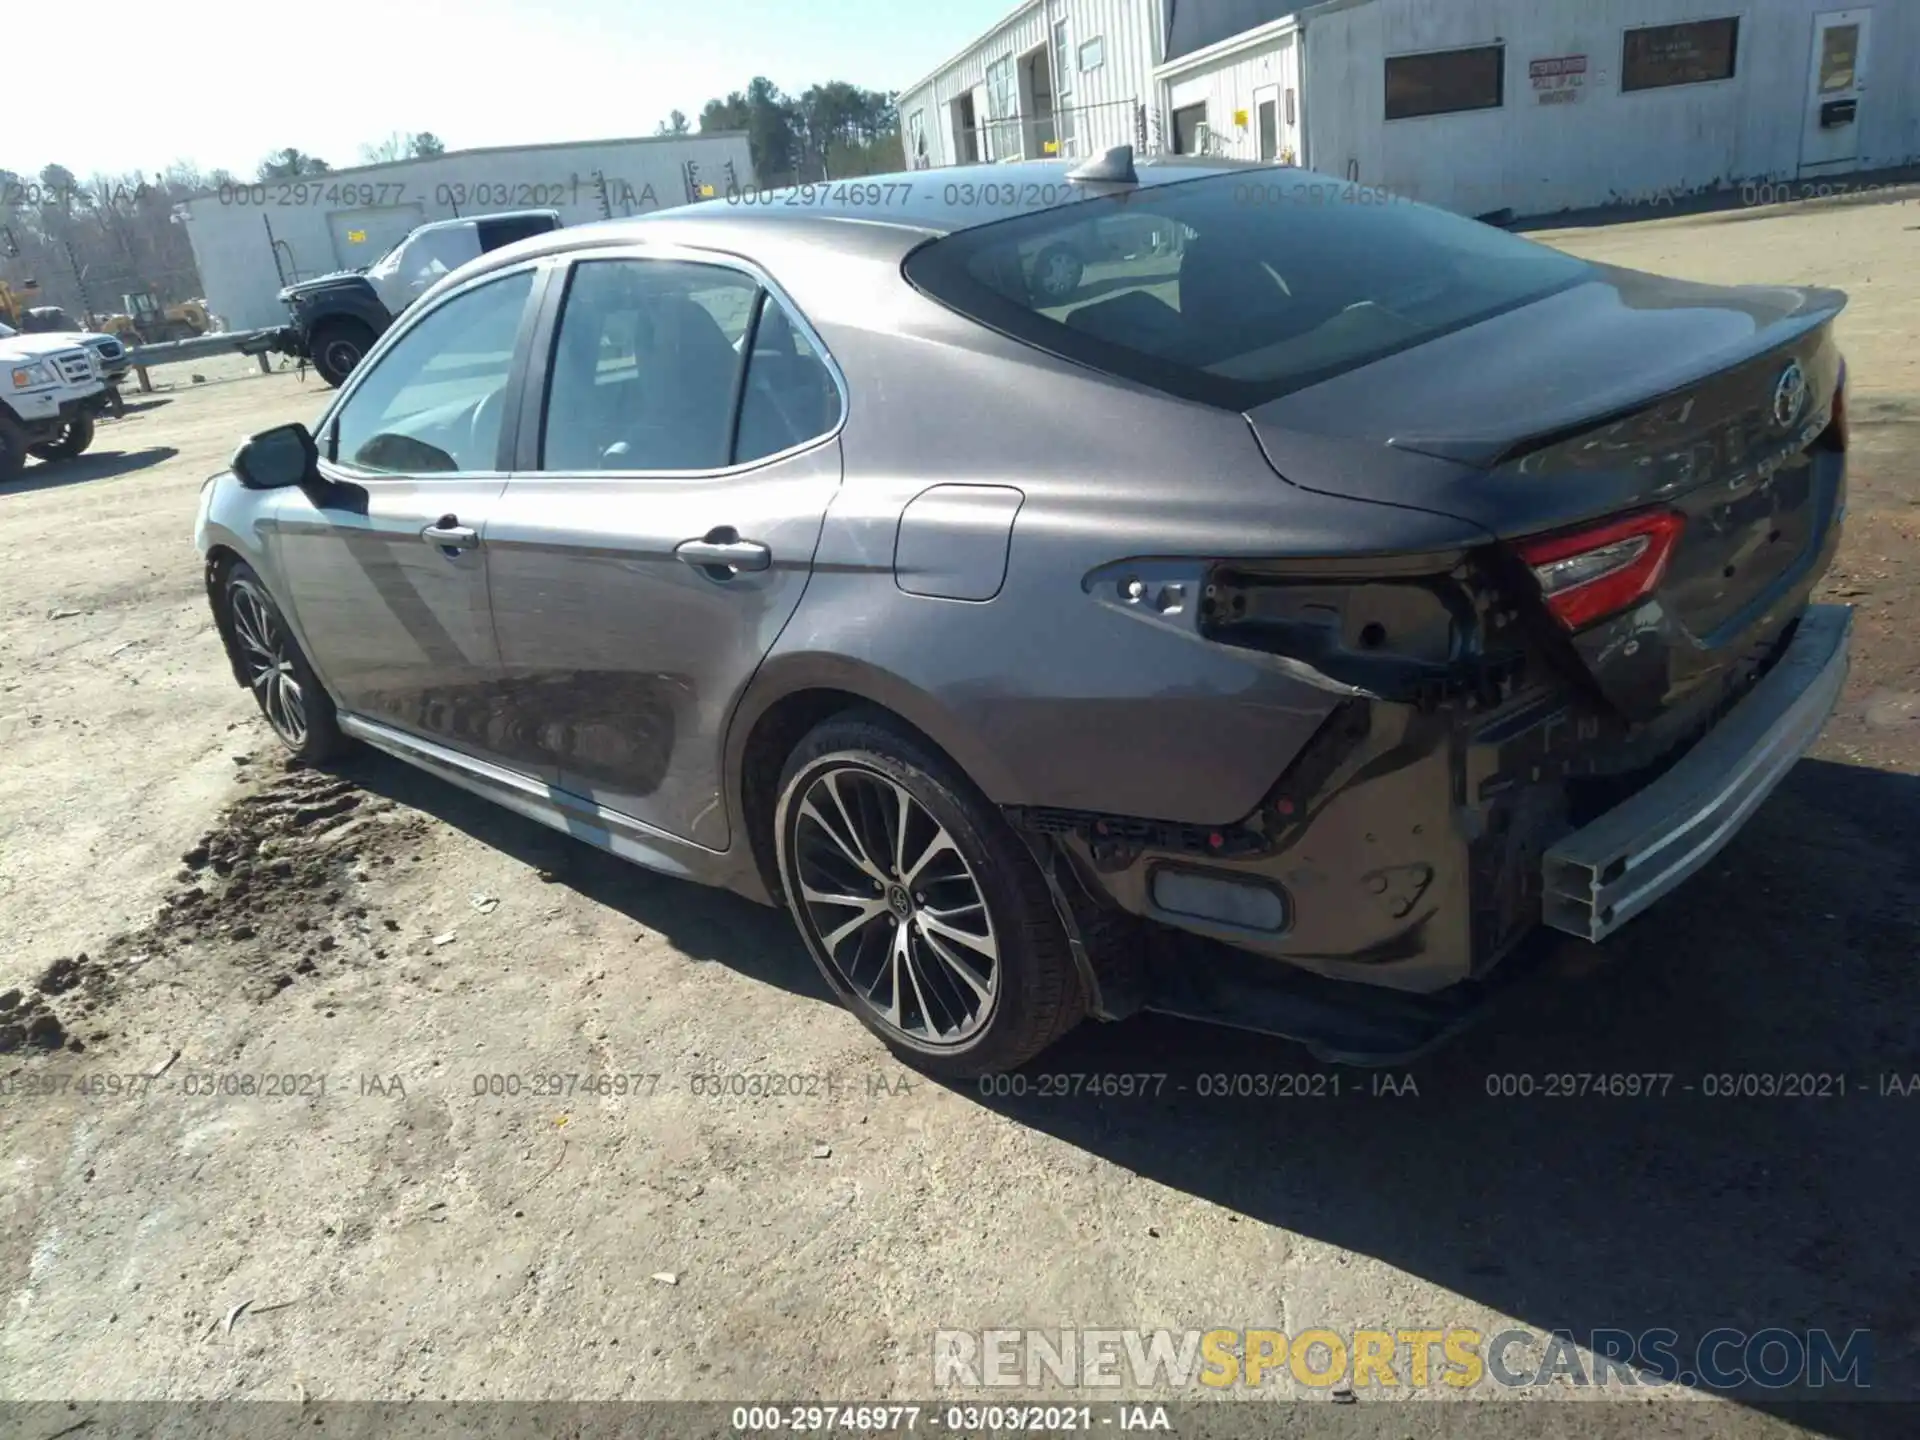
[1587, 575]
[1219, 899]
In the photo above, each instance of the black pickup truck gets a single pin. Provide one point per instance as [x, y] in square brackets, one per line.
[334, 319]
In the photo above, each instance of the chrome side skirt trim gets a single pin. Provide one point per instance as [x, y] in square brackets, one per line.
[562, 810]
[1607, 872]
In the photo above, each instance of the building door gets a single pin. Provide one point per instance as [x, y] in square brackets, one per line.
[1835, 91]
[966, 134]
[361, 237]
[1187, 124]
[1266, 116]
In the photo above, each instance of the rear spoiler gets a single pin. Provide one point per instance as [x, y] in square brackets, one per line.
[1626, 400]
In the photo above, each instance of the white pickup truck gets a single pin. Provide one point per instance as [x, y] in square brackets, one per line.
[51, 387]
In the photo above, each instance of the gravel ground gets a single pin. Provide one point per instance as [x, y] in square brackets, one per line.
[366, 950]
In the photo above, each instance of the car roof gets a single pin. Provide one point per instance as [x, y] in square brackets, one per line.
[481, 219]
[906, 210]
[920, 202]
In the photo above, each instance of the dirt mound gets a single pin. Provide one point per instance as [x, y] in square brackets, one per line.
[269, 891]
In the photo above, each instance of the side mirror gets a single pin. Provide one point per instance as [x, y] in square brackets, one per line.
[276, 459]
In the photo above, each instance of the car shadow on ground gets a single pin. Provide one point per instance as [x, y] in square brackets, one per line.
[1504, 1167]
[94, 465]
[1711, 1201]
[702, 923]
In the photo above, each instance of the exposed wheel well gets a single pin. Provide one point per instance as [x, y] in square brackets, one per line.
[774, 736]
[220, 561]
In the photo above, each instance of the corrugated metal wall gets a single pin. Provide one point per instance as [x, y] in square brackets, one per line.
[1102, 99]
[1647, 146]
[1234, 86]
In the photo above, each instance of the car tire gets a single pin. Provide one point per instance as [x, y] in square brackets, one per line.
[13, 448]
[337, 346]
[989, 988]
[73, 441]
[1056, 274]
[269, 660]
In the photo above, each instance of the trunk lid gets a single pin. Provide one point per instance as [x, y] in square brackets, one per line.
[1625, 393]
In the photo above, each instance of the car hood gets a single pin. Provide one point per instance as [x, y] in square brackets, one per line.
[323, 282]
[69, 338]
[35, 346]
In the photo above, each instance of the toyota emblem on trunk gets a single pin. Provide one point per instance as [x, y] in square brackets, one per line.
[1789, 396]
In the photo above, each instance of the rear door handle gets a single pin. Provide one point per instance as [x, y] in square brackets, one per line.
[449, 534]
[721, 552]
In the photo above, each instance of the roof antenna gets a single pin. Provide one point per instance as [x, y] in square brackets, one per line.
[1113, 166]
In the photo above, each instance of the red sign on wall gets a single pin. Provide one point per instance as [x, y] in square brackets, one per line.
[1558, 79]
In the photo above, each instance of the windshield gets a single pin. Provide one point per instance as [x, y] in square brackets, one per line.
[1237, 288]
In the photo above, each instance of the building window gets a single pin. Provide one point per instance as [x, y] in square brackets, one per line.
[1062, 88]
[1691, 54]
[1002, 137]
[1269, 131]
[917, 140]
[1444, 82]
[1093, 54]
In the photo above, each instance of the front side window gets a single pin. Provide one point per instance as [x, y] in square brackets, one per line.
[1657, 56]
[432, 403]
[645, 366]
[1258, 284]
[1445, 82]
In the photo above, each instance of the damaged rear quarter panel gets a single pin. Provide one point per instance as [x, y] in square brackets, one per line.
[1047, 694]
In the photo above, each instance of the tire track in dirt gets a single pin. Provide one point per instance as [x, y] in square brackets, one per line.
[273, 892]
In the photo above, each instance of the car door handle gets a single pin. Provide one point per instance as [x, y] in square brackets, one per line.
[723, 550]
[449, 534]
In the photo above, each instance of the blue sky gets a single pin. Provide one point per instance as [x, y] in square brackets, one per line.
[329, 77]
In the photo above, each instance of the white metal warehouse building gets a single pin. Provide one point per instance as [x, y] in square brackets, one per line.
[251, 239]
[1532, 106]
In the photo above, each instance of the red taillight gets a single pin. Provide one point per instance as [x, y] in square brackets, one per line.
[1587, 575]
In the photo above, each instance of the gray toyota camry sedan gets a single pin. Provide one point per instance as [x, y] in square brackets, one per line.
[1017, 572]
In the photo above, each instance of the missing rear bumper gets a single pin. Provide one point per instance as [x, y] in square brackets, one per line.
[1607, 872]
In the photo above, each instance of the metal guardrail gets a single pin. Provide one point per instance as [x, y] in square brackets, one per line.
[258, 343]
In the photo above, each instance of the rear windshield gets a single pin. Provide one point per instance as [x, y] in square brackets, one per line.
[1238, 288]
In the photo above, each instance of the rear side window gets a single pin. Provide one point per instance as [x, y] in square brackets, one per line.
[645, 366]
[1237, 288]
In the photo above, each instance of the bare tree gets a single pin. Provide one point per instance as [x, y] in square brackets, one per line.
[291, 164]
[404, 145]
